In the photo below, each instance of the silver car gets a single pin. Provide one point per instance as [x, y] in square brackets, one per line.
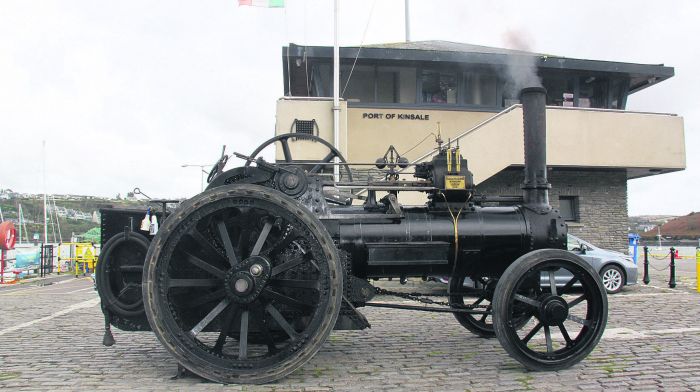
[616, 269]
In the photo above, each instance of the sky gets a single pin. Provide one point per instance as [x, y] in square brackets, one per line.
[126, 92]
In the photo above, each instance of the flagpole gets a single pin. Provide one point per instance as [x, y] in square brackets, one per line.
[408, 21]
[336, 88]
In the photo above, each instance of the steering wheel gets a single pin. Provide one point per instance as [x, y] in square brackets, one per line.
[284, 141]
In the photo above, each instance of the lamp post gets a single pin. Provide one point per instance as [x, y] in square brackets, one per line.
[203, 172]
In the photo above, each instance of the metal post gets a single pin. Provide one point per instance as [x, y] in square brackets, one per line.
[336, 88]
[407, 18]
[672, 279]
[2, 266]
[646, 265]
[697, 268]
[41, 262]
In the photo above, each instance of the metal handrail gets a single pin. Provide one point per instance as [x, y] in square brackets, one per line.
[472, 129]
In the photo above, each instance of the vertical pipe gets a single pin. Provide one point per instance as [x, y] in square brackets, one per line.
[535, 186]
[336, 88]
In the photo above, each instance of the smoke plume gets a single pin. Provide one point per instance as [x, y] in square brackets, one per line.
[521, 69]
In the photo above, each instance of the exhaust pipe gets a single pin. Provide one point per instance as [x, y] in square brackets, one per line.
[535, 186]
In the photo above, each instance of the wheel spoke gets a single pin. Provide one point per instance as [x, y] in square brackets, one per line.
[281, 245]
[206, 246]
[209, 317]
[548, 338]
[483, 316]
[296, 283]
[568, 285]
[263, 321]
[131, 268]
[225, 328]
[293, 262]
[565, 333]
[193, 283]
[243, 339]
[285, 150]
[326, 159]
[532, 333]
[552, 286]
[579, 320]
[226, 239]
[126, 288]
[261, 239]
[204, 299]
[283, 299]
[527, 300]
[577, 301]
[281, 321]
[196, 261]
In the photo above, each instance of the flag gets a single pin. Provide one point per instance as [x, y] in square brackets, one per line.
[262, 3]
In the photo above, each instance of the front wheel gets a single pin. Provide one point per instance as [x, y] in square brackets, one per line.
[613, 278]
[567, 321]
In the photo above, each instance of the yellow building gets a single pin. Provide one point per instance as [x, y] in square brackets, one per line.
[400, 94]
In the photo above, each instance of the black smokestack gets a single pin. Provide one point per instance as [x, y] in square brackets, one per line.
[535, 186]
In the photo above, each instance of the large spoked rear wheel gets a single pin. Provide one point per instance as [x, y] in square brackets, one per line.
[242, 284]
[569, 315]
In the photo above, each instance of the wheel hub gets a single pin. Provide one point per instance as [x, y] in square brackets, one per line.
[246, 280]
[553, 310]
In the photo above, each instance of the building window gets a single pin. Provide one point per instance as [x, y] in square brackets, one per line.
[560, 91]
[593, 92]
[617, 87]
[438, 87]
[480, 89]
[568, 208]
[361, 85]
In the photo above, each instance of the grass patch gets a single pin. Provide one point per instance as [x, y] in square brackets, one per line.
[4, 376]
[435, 353]
[526, 382]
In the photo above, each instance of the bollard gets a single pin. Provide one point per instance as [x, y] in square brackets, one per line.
[697, 268]
[646, 265]
[672, 279]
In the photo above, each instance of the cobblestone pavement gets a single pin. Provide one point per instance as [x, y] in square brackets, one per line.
[50, 339]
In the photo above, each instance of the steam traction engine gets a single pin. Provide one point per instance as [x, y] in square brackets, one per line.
[245, 281]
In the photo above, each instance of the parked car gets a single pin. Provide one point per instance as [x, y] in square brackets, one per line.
[616, 269]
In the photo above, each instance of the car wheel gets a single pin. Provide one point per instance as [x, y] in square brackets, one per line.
[613, 278]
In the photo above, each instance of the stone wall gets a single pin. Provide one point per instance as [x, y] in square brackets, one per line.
[602, 198]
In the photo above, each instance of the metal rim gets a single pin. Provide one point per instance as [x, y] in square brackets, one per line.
[612, 279]
[242, 285]
[565, 325]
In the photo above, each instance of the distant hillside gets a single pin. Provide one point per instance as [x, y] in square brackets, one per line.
[76, 214]
[683, 227]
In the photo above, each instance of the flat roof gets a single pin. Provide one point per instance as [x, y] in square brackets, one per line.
[641, 75]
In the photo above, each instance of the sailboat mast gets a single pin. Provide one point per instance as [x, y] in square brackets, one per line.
[55, 211]
[19, 217]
